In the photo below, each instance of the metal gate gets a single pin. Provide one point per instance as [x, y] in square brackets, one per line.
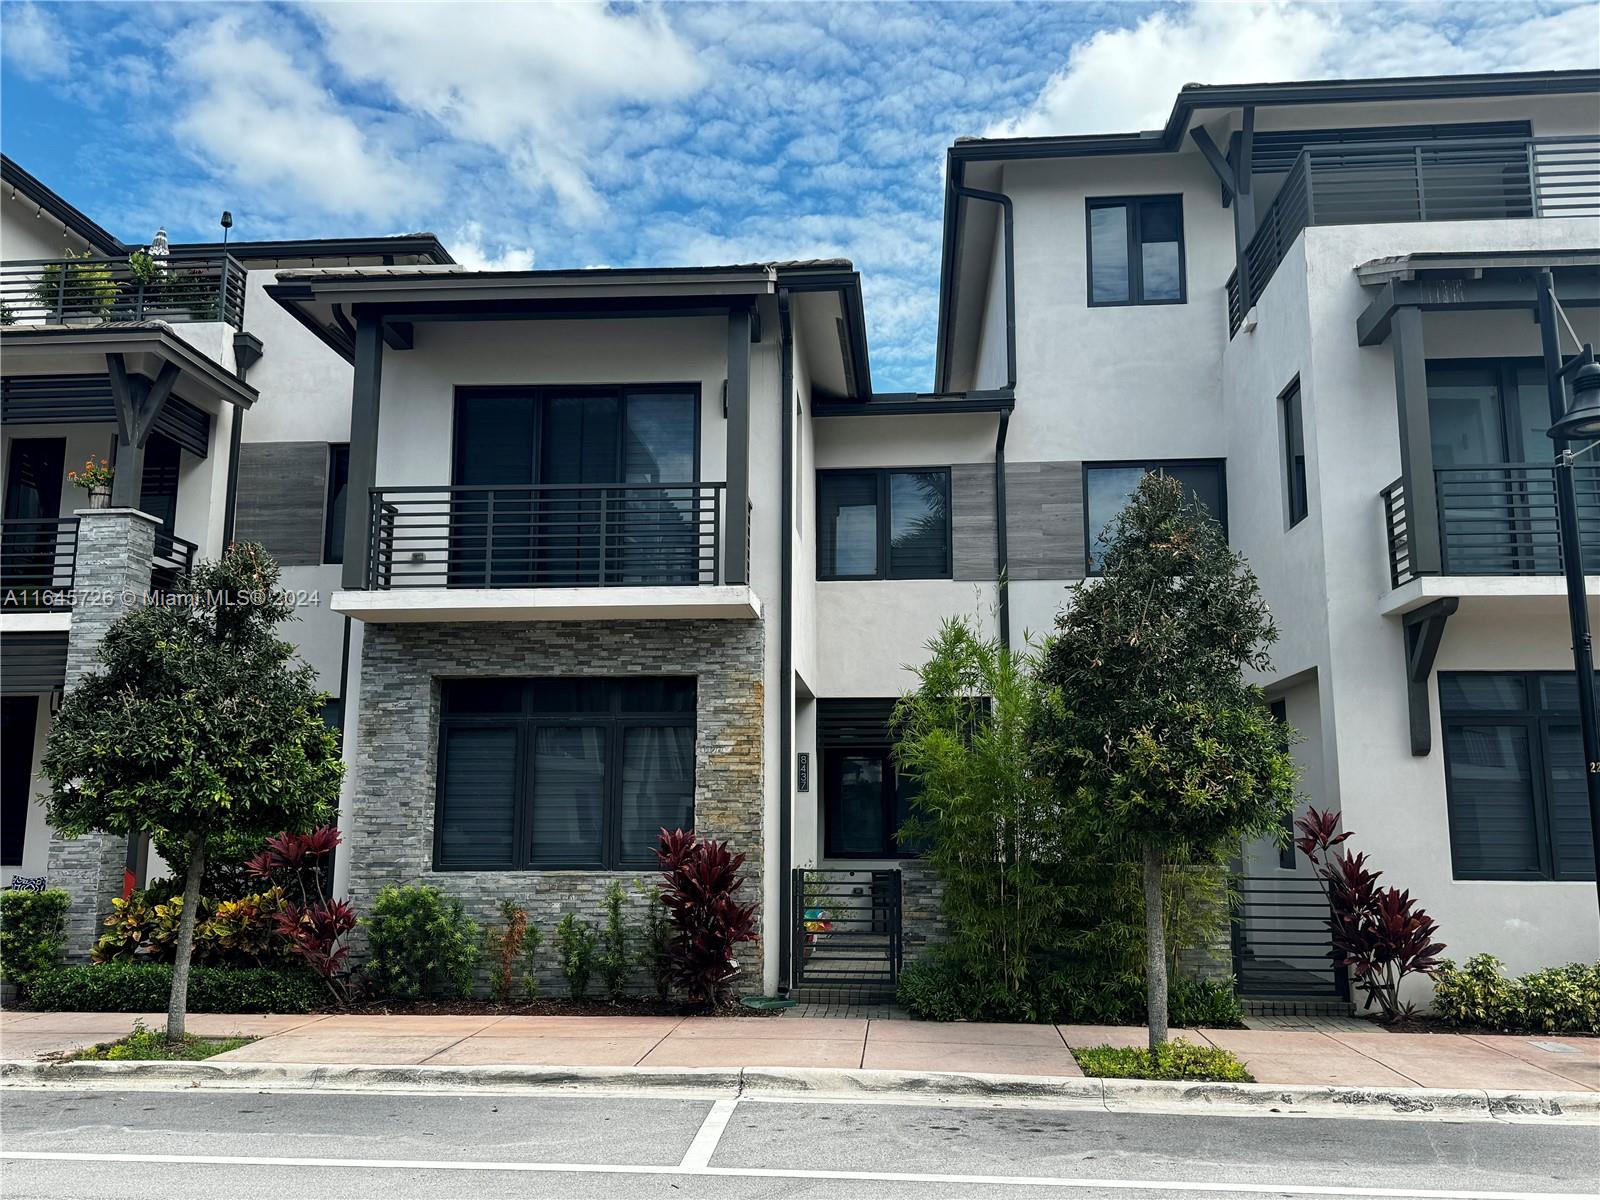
[847, 931]
[1281, 947]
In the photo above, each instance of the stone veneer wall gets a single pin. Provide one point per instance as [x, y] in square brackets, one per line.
[392, 818]
[921, 910]
[112, 575]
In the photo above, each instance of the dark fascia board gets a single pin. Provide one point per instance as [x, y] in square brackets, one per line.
[97, 235]
[418, 245]
[847, 283]
[1194, 97]
[917, 404]
[199, 372]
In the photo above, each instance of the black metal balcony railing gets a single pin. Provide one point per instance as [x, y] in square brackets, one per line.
[1449, 180]
[546, 535]
[89, 291]
[37, 562]
[173, 557]
[1498, 519]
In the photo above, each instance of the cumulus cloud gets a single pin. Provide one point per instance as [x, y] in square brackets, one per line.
[270, 123]
[33, 43]
[1120, 80]
[532, 82]
[475, 249]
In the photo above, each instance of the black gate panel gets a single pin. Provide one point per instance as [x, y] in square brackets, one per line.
[1281, 945]
[847, 931]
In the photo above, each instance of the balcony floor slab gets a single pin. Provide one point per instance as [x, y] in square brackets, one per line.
[674, 603]
[51, 621]
[1414, 593]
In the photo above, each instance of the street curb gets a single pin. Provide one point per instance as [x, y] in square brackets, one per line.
[1112, 1095]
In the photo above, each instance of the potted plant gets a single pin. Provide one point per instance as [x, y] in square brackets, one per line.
[95, 478]
[78, 290]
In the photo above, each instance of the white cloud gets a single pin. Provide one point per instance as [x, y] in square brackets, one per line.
[33, 43]
[467, 247]
[540, 84]
[1121, 80]
[259, 117]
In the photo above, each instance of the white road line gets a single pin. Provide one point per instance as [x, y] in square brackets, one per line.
[1130, 1185]
[705, 1141]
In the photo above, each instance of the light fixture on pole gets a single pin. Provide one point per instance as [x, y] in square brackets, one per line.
[227, 224]
[1567, 424]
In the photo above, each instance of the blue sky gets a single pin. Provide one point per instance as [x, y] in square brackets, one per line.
[627, 135]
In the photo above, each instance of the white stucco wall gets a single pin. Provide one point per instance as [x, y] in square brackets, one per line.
[27, 233]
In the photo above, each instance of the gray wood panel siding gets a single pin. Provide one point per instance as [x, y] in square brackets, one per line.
[1044, 520]
[283, 488]
[972, 520]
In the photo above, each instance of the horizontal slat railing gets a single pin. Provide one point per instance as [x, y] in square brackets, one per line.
[1398, 528]
[38, 558]
[1448, 180]
[1501, 519]
[546, 535]
[1281, 943]
[847, 930]
[173, 558]
[94, 290]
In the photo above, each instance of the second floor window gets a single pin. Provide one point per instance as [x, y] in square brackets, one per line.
[1136, 250]
[333, 518]
[1294, 455]
[883, 524]
[1107, 487]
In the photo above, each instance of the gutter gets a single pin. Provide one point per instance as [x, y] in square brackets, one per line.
[1001, 554]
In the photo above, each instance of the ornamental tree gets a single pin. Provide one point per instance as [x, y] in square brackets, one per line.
[200, 728]
[1150, 730]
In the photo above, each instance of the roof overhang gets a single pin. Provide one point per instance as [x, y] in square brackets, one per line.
[328, 301]
[411, 249]
[145, 349]
[97, 236]
[1193, 98]
[1496, 279]
[918, 404]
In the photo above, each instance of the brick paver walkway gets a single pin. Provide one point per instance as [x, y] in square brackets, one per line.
[1365, 1057]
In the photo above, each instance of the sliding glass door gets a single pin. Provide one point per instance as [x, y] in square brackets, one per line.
[575, 487]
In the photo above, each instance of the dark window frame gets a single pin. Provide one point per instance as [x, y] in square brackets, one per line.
[1501, 370]
[1296, 476]
[539, 394]
[881, 477]
[863, 737]
[332, 527]
[1536, 720]
[1147, 464]
[1134, 206]
[525, 724]
[1279, 709]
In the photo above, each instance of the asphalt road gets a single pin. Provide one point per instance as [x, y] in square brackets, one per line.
[168, 1145]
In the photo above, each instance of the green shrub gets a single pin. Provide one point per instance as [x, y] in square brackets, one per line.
[575, 943]
[241, 932]
[146, 1044]
[1554, 1000]
[615, 963]
[33, 933]
[656, 957]
[145, 987]
[1172, 1060]
[530, 964]
[423, 945]
[942, 986]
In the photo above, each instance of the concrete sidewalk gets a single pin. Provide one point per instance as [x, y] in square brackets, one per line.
[1375, 1059]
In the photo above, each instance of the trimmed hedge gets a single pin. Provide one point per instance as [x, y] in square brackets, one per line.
[146, 987]
[1554, 1000]
[33, 933]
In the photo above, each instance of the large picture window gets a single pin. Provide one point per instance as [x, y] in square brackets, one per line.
[1107, 488]
[1136, 250]
[883, 524]
[562, 773]
[1514, 780]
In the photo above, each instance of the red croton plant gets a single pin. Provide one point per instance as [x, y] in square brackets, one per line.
[699, 879]
[1380, 934]
[313, 924]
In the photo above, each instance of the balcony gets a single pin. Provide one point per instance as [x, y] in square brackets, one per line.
[39, 557]
[1498, 519]
[94, 291]
[1447, 180]
[546, 552]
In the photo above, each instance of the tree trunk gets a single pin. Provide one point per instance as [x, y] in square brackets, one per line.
[1155, 948]
[178, 1002]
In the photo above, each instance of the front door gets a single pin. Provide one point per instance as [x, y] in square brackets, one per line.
[34, 476]
[18, 718]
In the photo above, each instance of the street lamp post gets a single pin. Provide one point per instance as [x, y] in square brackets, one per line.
[1581, 422]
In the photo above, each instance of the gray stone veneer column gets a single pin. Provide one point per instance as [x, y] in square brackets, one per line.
[112, 574]
[393, 796]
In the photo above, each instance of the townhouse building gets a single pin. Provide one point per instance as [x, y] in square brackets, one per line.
[586, 553]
